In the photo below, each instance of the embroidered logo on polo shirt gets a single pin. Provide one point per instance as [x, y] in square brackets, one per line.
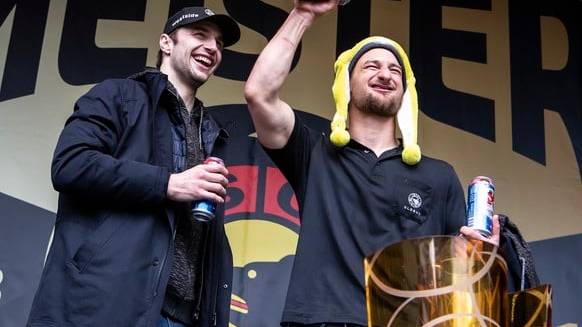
[415, 202]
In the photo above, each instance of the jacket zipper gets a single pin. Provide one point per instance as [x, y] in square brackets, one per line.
[201, 117]
[163, 264]
[207, 239]
[217, 284]
[200, 130]
[159, 273]
[205, 230]
[201, 286]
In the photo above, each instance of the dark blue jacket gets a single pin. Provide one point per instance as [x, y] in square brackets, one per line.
[112, 249]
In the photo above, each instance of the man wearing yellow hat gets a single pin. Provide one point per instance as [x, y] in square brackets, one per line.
[359, 190]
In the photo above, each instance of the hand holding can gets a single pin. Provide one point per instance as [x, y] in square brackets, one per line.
[204, 210]
[480, 205]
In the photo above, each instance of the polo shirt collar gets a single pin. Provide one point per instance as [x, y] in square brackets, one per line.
[388, 154]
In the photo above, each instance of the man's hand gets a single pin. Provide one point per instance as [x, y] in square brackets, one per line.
[473, 234]
[315, 8]
[204, 181]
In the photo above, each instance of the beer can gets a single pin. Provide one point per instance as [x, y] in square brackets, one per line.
[204, 210]
[480, 205]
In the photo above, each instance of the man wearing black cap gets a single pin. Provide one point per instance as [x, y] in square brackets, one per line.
[128, 164]
[358, 191]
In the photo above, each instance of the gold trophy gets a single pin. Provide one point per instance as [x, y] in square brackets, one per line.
[436, 281]
[448, 281]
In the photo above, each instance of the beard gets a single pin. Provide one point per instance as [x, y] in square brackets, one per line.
[196, 78]
[186, 72]
[372, 105]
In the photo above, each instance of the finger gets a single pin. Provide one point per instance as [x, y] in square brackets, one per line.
[213, 167]
[471, 233]
[215, 188]
[216, 178]
[496, 225]
[496, 231]
[214, 197]
[474, 234]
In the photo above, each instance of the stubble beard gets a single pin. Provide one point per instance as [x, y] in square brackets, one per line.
[372, 105]
[189, 74]
[197, 79]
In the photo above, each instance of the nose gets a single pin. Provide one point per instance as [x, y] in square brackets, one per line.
[385, 74]
[211, 44]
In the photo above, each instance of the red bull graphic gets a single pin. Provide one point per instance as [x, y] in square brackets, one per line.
[262, 227]
[262, 223]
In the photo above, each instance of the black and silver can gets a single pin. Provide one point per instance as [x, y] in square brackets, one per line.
[480, 205]
[204, 210]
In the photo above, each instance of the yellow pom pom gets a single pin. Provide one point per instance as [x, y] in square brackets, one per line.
[339, 137]
[411, 154]
[338, 123]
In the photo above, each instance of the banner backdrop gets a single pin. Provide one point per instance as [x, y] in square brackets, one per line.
[500, 86]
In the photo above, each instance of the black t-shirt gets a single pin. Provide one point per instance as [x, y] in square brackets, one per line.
[352, 204]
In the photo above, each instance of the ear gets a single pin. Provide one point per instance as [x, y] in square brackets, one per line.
[166, 44]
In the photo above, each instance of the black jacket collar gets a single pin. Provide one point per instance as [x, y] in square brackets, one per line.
[156, 82]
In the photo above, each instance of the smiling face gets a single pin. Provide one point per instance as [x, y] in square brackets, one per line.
[194, 53]
[376, 83]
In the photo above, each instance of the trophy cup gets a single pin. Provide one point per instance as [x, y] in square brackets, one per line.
[436, 281]
[448, 281]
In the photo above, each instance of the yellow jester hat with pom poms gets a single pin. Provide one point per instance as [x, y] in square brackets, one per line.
[407, 115]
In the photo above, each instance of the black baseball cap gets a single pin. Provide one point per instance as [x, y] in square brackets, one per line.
[188, 15]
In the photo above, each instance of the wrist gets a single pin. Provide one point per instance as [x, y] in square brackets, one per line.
[306, 17]
[170, 192]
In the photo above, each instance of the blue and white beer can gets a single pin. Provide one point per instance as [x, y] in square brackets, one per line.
[204, 210]
[481, 204]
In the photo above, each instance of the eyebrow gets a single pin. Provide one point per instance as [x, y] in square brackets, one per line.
[371, 61]
[378, 62]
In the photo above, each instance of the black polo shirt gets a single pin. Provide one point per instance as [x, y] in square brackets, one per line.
[353, 203]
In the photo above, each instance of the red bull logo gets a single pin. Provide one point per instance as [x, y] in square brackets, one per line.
[261, 223]
[262, 227]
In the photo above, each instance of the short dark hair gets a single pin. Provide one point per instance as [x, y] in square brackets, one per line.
[160, 54]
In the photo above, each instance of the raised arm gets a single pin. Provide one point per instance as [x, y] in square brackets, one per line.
[273, 118]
